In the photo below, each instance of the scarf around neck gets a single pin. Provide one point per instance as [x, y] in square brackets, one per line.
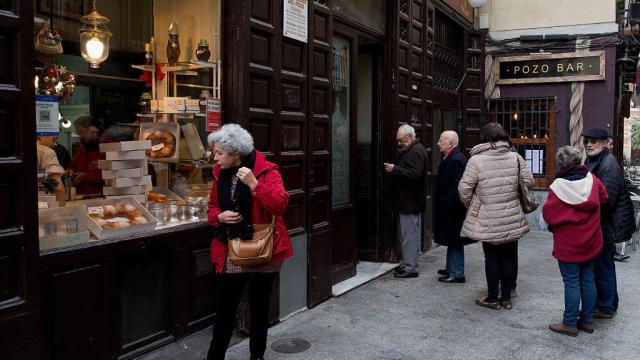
[240, 201]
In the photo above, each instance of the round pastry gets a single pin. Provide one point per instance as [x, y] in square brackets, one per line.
[134, 214]
[140, 219]
[164, 138]
[109, 211]
[128, 208]
[121, 209]
[123, 224]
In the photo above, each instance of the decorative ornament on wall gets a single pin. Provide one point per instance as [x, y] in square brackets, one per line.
[55, 80]
[48, 44]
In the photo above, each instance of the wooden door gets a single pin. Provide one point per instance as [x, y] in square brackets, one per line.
[280, 89]
[409, 57]
[19, 253]
[343, 131]
[473, 89]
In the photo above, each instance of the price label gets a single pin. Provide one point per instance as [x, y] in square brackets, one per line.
[95, 210]
[157, 147]
[43, 205]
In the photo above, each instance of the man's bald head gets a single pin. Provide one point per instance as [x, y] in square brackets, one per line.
[448, 140]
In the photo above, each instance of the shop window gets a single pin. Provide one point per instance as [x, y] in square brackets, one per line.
[530, 124]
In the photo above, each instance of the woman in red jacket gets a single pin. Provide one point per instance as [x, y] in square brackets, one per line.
[247, 189]
[572, 211]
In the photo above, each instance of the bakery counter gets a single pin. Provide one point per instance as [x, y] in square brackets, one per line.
[119, 297]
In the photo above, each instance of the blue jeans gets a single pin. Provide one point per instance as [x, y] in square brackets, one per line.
[455, 262]
[578, 283]
[605, 278]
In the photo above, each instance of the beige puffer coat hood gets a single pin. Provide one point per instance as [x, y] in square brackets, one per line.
[489, 190]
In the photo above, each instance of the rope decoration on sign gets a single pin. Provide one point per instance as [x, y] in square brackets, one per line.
[575, 106]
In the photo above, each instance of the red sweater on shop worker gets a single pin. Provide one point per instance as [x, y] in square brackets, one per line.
[86, 160]
[572, 211]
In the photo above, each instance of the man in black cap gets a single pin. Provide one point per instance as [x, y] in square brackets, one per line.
[616, 218]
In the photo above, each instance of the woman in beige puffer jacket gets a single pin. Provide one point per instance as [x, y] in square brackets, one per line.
[489, 190]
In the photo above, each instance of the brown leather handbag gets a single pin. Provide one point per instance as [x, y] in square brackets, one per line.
[527, 201]
[254, 252]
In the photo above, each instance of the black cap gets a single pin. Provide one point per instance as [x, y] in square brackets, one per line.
[596, 133]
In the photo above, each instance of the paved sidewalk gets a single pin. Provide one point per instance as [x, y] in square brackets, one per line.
[424, 319]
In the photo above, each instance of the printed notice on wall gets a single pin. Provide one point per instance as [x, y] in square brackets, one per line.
[214, 119]
[535, 161]
[295, 19]
[47, 116]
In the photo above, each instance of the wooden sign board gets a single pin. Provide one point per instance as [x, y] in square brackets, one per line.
[462, 7]
[579, 66]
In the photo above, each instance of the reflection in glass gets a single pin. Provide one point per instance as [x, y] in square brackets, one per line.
[340, 123]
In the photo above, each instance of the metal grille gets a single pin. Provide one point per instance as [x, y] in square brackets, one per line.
[529, 123]
[447, 54]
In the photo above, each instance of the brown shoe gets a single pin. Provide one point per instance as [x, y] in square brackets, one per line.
[488, 304]
[588, 328]
[507, 304]
[601, 315]
[562, 329]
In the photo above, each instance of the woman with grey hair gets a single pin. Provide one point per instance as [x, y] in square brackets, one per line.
[247, 189]
[572, 212]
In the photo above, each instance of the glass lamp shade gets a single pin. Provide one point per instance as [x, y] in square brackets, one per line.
[94, 47]
[477, 3]
[94, 38]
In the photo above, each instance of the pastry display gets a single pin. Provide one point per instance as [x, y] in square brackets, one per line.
[156, 197]
[163, 144]
[164, 138]
[117, 216]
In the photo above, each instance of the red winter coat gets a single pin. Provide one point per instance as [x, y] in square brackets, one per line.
[269, 198]
[572, 211]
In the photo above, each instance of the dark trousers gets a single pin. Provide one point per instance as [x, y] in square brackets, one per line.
[499, 265]
[229, 288]
[606, 285]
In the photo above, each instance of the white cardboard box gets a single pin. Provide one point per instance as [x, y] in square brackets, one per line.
[130, 190]
[121, 164]
[126, 155]
[101, 233]
[126, 146]
[124, 173]
[129, 181]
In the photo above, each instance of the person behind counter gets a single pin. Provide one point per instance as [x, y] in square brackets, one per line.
[86, 176]
[49, 165]
[61, 152]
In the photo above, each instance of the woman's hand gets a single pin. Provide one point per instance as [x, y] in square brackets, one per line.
[229, 217]
[246, 176]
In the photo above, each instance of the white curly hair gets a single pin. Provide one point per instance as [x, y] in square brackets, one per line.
[233, 139]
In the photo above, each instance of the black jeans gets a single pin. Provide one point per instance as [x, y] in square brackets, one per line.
[229, 288]
[499, 266]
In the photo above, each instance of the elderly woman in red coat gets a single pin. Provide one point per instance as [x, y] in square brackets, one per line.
[247, 189]
[572, 211]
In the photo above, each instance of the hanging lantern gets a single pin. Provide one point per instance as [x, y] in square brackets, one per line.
[94, 37]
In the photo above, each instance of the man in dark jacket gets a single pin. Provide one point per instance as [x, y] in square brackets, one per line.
[408, 196]
[449, 211]
[616, 220]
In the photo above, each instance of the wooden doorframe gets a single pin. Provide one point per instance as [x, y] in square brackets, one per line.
[20, 302]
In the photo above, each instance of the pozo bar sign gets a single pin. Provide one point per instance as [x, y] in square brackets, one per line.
[582, 66]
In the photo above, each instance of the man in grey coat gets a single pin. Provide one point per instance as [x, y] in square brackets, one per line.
[408, 196]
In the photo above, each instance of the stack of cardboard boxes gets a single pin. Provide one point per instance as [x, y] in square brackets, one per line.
[125, 169]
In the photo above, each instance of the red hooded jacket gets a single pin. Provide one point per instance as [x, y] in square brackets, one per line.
[572, 211]
[269, 198]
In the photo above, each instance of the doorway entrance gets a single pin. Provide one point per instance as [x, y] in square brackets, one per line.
[354, 155]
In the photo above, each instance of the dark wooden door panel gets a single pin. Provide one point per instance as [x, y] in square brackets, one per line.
[473, 88]
[409, 59]
[19, 254]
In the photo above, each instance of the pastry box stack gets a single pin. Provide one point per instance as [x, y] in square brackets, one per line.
[125, 171]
